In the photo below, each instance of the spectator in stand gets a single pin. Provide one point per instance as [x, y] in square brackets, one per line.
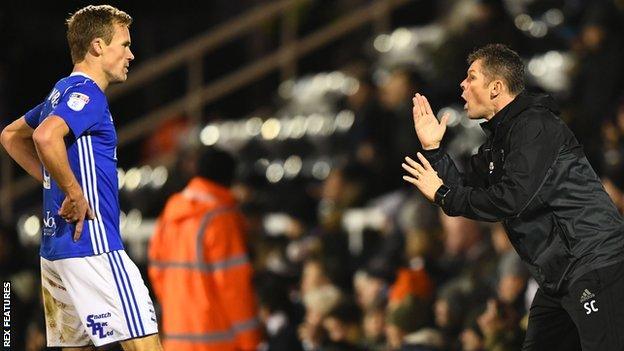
[409, 316]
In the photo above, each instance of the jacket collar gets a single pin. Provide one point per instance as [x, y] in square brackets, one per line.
[525, 100]
[511, 110]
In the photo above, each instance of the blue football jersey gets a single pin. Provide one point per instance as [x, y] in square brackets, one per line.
[91, 150]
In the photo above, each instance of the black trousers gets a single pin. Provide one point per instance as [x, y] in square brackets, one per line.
[589, 317]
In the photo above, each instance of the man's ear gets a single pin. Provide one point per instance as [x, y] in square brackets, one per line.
[496, 88]
[97, 47]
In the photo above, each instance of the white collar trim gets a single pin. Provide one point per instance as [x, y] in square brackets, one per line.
[78, 73]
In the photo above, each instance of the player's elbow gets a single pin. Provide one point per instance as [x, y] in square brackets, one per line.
[42, 136]
[6, 136]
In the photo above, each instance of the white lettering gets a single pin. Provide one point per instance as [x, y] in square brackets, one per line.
[6, 320]
[590, 307]
[594, 308]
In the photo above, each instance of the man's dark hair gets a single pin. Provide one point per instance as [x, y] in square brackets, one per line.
[216, 165]
[499, 61]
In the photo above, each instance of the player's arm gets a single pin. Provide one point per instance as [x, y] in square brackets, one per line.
[17, 140]
[50, 144]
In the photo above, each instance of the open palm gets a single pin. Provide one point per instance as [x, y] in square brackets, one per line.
[428, 129]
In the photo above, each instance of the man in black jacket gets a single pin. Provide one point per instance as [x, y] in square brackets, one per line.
[532, 175]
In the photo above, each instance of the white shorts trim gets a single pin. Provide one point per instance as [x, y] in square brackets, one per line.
[95, 300]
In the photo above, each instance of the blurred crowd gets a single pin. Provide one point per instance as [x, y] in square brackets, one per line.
[352, 258]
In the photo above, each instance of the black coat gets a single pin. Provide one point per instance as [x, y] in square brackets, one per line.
[533, 175]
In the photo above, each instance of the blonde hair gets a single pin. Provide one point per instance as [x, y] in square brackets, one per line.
[92, 22]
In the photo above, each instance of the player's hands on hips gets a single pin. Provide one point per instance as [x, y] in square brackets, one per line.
[428, 129]
[76, 209]
[423, 176]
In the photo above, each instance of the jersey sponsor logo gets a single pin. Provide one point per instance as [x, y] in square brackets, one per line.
[54, 97]
[97, 323]
[49, 224]
[77, 101]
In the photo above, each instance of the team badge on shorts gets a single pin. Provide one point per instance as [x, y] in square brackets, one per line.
[77, 101]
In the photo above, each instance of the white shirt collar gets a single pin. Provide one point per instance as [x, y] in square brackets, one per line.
[78, 73]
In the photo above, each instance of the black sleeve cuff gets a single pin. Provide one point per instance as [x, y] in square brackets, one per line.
[433, 156]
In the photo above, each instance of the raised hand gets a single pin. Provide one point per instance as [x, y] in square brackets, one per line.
[428, 129]
[424, 177]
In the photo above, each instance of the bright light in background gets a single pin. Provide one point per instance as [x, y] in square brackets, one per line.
[314, 124]
[554, 17]
[298, 127]
[285, 89]
[523, 22]
[146, 175]
[270, 128]
[351, 86]
[328, 126]
[122, 220]
[240, 132]
[539, 29]
[32, 226]
[134, 218]
[401, 38]
[275, 172]
[553, 59]
[209, 135]
[382, 43]
[159, 177]
[344, 120]
[121, 178]
[276, 224]
[318, 82]
[321, 169]
[286, 128]
[133, 179]
[536, 67]
[227, 130]
[292, 166]
[253, 126]
[551, 70]
[29, 229]
[335, 80]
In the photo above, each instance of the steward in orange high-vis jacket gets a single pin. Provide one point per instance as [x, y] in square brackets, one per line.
[198, 265]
